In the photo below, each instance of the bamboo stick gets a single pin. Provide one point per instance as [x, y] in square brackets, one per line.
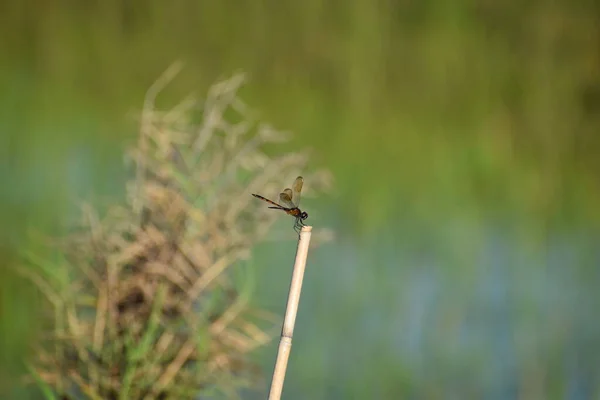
[287, 332]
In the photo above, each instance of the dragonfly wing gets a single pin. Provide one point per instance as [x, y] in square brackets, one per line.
[297, 186]
[285, 197]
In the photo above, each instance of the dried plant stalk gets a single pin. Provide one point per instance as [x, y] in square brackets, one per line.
[143, 306]
[287, 332]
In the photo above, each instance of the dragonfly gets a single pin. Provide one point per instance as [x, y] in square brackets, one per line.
[290, 198]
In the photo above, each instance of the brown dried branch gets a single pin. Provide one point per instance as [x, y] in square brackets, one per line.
[188, 219]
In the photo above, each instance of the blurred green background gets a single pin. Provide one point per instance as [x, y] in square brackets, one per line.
[463, 136]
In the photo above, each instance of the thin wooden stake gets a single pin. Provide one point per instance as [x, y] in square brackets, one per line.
[287, 332]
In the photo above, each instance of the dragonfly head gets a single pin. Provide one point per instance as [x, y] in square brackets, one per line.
[304, 215]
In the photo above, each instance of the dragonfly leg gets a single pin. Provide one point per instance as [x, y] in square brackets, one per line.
[297, 226]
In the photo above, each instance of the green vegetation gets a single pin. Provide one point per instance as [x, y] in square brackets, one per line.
[463, 140]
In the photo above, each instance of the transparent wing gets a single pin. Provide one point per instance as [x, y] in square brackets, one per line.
[285, 198]
[297, 186]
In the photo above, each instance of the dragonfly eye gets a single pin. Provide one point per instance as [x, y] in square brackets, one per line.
[304, 215]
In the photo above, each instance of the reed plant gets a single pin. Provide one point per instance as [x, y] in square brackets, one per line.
[142, 301]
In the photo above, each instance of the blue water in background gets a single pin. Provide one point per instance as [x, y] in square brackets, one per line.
[453, 311]
[487, 317]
